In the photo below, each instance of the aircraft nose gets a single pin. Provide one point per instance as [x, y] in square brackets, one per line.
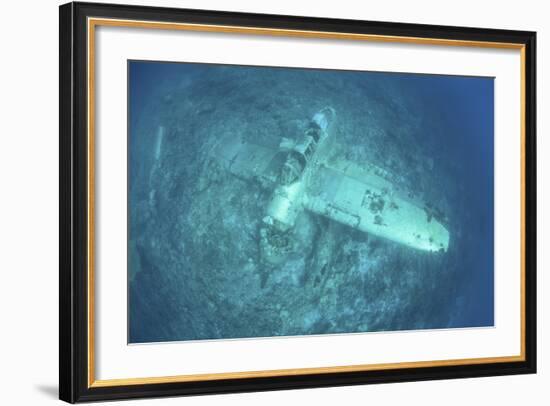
[274, 245]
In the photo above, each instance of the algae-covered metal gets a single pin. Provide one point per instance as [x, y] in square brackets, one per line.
[305, 174]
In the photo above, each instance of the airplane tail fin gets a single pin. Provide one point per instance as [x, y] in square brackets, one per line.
[324, 118]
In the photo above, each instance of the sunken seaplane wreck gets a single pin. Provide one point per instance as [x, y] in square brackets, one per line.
[305, 174]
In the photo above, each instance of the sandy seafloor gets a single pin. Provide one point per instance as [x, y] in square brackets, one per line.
[194, 265]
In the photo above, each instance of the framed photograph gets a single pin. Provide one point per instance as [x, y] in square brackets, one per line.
[257, 202]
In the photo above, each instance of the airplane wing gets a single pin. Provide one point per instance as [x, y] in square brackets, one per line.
[250, 161]
[364, 198]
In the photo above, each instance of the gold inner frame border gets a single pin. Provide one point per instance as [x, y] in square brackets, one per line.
[92, 23]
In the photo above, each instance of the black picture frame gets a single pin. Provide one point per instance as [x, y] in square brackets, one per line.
[74, 382]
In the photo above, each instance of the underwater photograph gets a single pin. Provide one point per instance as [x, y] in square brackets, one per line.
[275, 201]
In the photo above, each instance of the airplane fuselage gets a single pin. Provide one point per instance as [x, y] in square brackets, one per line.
[287, 199]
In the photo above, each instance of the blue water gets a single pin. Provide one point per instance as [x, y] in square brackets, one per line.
[194, 266]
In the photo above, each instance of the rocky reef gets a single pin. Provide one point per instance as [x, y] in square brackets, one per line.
[194, 263]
